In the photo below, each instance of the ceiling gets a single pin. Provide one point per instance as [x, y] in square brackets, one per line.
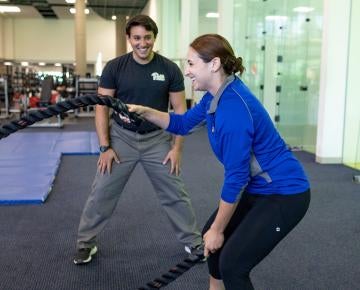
[59, 9]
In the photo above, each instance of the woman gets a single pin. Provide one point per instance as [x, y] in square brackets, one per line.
[265, 192]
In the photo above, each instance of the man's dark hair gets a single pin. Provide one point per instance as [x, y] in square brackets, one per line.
[141, 20]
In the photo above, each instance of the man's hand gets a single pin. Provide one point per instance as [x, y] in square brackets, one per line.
[105, 161]
[174, 156]
[213, 240]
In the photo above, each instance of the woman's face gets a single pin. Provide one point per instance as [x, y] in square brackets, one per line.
[198, 71]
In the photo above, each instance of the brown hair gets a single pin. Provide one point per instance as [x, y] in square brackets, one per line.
[209, 46]
[144, 21]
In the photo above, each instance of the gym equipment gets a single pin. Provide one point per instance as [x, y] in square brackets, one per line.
[29, 162]
[44, 101]
[4, 97]
[84, 86]
[26, 177]
[71, 104]
[195, 258]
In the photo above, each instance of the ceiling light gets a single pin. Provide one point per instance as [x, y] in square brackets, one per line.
[212, 15]
[276, 18]
[7, 63]
[70, 1]
[303, 9]
[57, 64]
[10, 9]
[113, 17]
[73, 10]
[41, 63]
[24, 63]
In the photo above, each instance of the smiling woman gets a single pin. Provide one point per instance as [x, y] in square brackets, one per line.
[265, 192]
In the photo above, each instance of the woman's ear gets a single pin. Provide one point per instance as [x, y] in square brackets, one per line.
[215, 64]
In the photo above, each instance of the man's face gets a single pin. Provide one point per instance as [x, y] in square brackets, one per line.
[142, 43]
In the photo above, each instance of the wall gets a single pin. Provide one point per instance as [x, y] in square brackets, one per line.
[54, 40]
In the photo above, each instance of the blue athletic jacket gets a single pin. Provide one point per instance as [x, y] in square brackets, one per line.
[244, 139]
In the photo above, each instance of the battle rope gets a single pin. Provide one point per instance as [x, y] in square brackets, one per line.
[197, 256]
[61, 107]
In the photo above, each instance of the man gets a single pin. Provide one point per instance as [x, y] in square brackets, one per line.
[146, 78]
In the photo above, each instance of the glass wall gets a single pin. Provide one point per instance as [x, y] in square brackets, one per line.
[280, 42]
[281, 51]
[207, 24]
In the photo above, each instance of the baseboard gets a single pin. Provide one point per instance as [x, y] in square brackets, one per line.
[329, 160]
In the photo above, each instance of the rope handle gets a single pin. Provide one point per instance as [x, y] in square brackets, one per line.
[196, 257]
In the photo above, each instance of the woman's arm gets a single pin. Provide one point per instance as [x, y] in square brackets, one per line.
[159, 118]
[179, 124]
[214, 237]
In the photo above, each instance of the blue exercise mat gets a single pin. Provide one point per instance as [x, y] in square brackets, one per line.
[29, 162]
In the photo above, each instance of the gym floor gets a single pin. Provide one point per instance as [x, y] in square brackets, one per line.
[38, 241]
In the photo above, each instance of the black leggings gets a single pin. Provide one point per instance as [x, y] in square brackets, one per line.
[259, 223]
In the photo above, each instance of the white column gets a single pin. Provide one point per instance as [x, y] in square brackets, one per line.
[80, 38]
[2, 39]
[189, 25]
[8, 38]
[333, 75]
[153, 9]
[226, 19]
[352, 113]
[170, 28]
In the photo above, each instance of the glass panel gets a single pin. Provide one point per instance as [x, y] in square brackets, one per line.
[251, 45]
[282, 56]
[207, 24]
[299, 74]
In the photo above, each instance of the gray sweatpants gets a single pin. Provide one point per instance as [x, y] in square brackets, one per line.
[150, 150]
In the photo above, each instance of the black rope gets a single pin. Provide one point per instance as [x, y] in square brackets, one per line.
[196, 257]
[61, 107]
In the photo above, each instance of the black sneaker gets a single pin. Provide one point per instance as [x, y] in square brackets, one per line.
[84, 256]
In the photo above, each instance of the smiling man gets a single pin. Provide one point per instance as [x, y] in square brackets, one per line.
[146, 78]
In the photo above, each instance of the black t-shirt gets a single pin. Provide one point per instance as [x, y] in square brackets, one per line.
[142, 84]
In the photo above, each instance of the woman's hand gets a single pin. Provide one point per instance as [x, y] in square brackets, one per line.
[213, 240]
[140, 110]
[159, 118]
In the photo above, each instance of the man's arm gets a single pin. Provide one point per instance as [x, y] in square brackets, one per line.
[102, 118]
[177, 101]
[102, 130]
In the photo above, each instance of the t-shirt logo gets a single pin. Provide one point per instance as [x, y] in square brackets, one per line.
[158, 77]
